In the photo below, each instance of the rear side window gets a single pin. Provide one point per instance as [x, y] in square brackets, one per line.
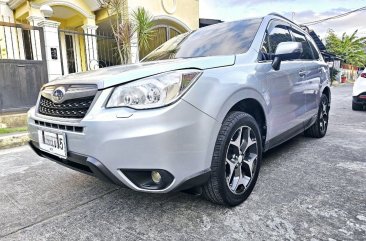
[314, 49]
[307, 52]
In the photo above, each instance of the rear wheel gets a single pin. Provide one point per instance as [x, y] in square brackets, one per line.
[356, 106]
[236, 160]
[320, 127]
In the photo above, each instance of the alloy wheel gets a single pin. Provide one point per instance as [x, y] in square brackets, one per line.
[241, 159]
[323, 118]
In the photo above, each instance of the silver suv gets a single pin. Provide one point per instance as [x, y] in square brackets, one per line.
[196, 114]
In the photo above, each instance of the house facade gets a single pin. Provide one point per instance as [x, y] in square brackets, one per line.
[77, 33]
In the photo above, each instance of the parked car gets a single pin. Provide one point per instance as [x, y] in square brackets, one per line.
[359, 92]
[196, 114]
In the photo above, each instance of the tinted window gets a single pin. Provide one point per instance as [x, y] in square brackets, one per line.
[274, 36]
[221, 39]
[307, 52]
[314, 49]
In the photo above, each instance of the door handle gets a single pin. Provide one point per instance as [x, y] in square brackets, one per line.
[302, 73]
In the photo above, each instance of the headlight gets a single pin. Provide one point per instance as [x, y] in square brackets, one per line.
[155, 91]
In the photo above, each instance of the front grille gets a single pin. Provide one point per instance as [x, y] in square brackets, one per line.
[74, 108]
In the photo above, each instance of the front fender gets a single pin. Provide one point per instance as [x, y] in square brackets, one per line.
[217, 91]
[236, 97]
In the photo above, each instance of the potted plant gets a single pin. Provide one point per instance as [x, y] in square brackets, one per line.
[343, 78]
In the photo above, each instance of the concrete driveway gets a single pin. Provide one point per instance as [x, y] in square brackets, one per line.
[308, 189]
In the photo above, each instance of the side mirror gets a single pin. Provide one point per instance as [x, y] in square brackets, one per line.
[286, 51]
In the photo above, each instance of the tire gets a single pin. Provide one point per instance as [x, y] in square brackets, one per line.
[240, 139]
[320, 127]
[356, 106]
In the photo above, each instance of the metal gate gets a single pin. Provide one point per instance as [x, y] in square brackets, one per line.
[23, 66]
[83, 51]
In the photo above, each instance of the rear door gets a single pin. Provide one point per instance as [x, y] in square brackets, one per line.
[319, 70]
[287, 102]
[314, 69]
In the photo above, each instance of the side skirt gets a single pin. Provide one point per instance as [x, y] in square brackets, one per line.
[310, 122]
[278, 140]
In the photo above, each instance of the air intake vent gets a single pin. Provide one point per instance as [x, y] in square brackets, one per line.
[60, 127]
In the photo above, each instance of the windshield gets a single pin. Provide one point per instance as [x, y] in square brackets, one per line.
[221, 39]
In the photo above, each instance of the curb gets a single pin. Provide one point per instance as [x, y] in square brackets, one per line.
[9, 141]
[13, 120]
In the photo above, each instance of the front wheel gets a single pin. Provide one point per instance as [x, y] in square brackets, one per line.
[320, 127]
[236, 160]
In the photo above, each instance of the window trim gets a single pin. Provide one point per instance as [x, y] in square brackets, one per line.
[290, 26]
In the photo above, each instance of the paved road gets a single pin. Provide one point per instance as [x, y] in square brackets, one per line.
[307, 189]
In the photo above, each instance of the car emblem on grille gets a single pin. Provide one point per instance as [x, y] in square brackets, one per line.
[58, 94]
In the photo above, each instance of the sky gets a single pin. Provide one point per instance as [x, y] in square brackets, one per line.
[301, 11]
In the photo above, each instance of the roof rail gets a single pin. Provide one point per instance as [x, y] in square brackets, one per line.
[279, 15]
[305, 28]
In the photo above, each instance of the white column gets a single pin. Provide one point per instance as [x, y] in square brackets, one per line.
[91, 47]
[5, 10]
[51, 38]
[135, 55]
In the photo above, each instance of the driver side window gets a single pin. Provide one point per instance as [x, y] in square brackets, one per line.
[275, 35]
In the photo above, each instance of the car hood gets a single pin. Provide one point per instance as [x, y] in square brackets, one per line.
[359, 86]
[111, 76]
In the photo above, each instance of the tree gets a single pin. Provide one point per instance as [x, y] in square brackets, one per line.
[124, 26]
[349, 47]
[143, 28]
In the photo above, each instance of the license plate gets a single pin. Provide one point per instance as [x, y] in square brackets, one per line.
[53, 143]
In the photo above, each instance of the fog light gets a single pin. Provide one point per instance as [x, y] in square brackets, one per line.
[153, 179]
[156, 177]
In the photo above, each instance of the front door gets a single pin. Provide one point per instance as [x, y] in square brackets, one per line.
[285, 86]
[286, 90]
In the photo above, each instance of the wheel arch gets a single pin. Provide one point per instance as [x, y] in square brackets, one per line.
[327, 92]
[254, 108]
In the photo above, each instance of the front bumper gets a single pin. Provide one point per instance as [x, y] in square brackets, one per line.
[86, 165]
[178, 139]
